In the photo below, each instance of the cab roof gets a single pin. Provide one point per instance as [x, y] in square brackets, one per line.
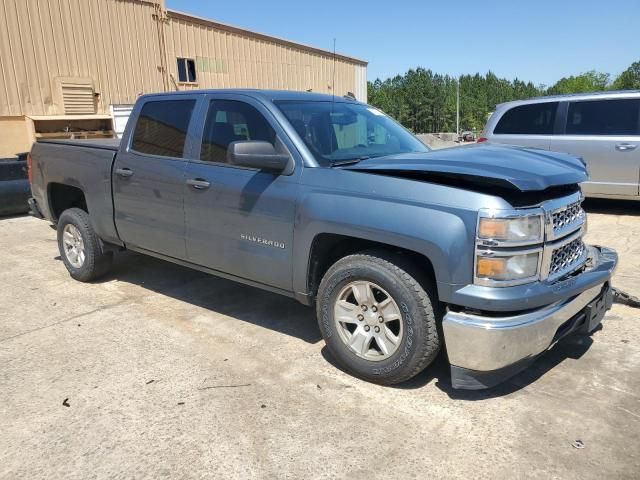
[269, 95]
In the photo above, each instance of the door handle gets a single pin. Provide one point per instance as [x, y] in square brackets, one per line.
[625, 147]
[198, 183]
[124, 172]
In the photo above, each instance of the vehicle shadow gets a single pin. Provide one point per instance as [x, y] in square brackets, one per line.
[224, 297]
[287, 316]
[572, 347]
[612, 207]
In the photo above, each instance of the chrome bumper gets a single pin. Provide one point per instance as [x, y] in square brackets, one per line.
[489, 343]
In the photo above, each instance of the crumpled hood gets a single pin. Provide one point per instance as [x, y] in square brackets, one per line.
[525, 169]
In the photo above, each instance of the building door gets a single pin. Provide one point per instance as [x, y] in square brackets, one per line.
[239, 220]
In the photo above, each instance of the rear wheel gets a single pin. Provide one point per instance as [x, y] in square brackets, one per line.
[80, 246]
[377, 319]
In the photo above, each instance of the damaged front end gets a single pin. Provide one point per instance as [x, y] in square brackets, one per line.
[534, 279]
[521, 176]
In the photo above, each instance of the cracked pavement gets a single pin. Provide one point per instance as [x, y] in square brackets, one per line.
[169, 372]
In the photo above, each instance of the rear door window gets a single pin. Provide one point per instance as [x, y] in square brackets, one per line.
[161, 128]
[532, 119]
[604, 117]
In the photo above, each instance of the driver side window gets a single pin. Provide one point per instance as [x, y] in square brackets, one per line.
[231, 121]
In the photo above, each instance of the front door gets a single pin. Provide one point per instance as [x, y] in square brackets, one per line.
[239, 220]
[606, 134]
[149, 177]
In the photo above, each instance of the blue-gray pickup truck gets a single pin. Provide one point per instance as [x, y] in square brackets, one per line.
[403, 251]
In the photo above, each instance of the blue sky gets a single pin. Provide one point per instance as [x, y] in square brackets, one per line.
[539, 41]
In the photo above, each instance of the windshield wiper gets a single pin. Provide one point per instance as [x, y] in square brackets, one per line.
[350, 161]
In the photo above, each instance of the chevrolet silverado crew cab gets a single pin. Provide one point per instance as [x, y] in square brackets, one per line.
[403, 251]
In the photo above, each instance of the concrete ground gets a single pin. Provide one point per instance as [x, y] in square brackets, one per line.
[160, 371]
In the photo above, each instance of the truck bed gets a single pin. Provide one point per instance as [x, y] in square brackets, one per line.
[102, 143]
[83, 165]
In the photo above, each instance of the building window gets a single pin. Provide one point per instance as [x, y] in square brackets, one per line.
[186, 70]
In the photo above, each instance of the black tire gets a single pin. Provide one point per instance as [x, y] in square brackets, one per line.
[417, 302]
[96, 262]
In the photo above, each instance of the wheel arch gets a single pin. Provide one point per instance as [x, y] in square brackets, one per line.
[328, 248]
[63, 196]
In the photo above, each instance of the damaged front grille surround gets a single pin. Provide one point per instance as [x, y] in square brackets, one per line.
[562, 250]
[566, 256]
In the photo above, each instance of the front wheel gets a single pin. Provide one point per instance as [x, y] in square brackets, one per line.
[377, 319]
[80, 247]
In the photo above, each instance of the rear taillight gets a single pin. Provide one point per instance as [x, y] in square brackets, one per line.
[482, 139]
[30, 168]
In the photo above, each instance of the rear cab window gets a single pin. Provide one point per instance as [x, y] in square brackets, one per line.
[532, 119]
[161, 128]
[604, 117]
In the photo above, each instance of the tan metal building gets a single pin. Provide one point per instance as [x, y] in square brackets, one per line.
[73, 68]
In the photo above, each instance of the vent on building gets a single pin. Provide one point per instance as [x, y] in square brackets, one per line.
[77, 96]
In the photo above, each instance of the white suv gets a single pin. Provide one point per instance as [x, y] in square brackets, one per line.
[603, 128]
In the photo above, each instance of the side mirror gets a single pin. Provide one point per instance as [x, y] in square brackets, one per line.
[258, 154]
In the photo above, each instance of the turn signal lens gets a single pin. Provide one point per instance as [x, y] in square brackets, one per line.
[492, 228]
[490, 267]
[30, 168]
[513, 267]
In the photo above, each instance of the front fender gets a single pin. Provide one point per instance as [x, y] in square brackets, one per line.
[443, 235]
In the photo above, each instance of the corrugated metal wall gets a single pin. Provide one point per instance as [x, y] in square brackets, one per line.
[236, 59]
[116, 45]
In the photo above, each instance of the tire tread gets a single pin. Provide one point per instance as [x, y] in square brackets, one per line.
[97, 263]
[423, 291]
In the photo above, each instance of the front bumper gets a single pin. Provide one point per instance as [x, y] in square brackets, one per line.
[486, 349]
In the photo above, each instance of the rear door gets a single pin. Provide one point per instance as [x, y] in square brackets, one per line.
[606, 134]
[530, 125]
[149, 176]
[240, 220]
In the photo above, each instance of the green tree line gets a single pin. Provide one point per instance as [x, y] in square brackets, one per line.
[424, 101]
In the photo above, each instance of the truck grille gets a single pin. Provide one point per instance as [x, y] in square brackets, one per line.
[567, 216]
[566, 257]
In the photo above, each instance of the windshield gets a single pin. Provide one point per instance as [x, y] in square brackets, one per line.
[338, 132]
